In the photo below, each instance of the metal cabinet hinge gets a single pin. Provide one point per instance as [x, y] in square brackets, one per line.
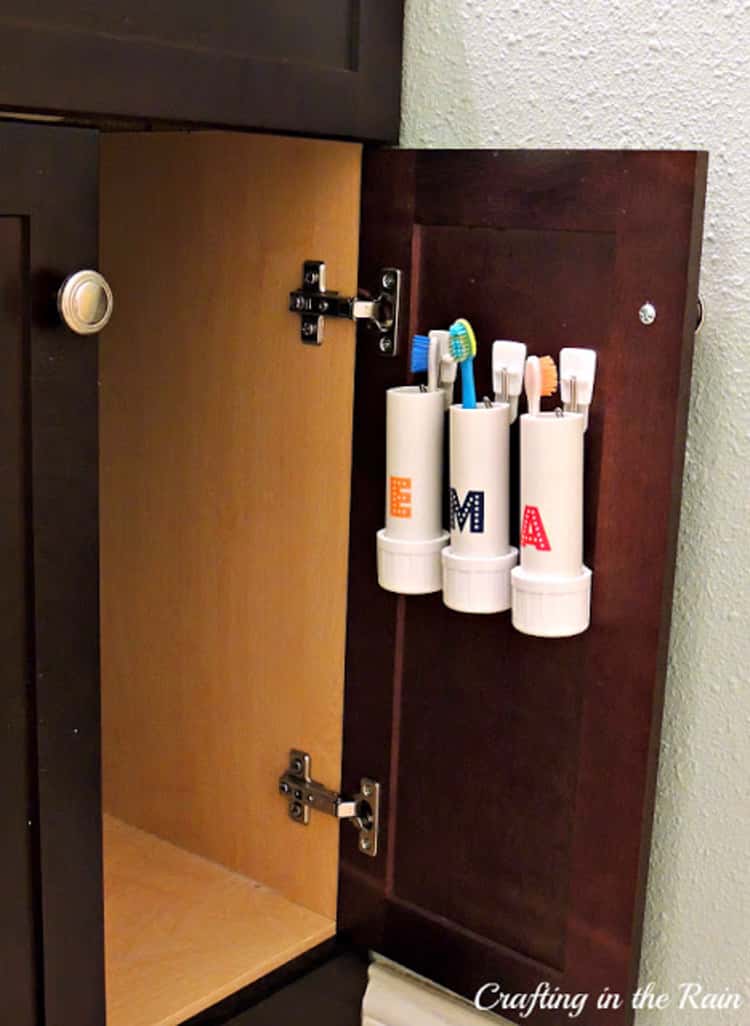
[305, 794]
[313, 301]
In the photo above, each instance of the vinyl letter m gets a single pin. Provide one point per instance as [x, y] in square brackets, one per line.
[471, 509]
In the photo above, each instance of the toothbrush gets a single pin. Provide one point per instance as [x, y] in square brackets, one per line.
[463, 351]
[427, 352]
[539, 379]
[443, 367]
[420, 346]
[433, 361]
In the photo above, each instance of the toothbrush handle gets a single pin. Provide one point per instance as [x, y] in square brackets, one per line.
[468, 391]
[433, 365]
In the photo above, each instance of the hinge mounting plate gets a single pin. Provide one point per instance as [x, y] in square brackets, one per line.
[305, 794]
[313, 301]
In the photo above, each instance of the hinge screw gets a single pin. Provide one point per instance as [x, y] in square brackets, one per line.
[364, 843]
[284, 787]
[647, 313]
[388, 280]
[296, 810]
[309, 328]
[311, 277]
[386, 344]
[367, 790]
[323, 305]
[296, 765]
[299, 303]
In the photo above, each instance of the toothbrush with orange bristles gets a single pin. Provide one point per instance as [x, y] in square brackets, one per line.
[539, 379]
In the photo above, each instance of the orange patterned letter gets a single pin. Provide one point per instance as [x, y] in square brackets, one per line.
[401, 497]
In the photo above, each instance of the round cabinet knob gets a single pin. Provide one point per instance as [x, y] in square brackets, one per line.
[85, 302]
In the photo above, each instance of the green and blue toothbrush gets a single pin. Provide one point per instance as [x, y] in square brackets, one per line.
[463, 351]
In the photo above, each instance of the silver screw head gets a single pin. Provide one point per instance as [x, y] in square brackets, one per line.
[364, 843]
[386, 344]
[296, 765]
[296, 811]
[311, 277]
[647, 313]
[308, 329]
[367, 790]
[388, 280]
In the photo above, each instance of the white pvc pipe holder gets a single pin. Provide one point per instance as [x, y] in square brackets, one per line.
[551, 586]
[409, 545]
[553, 607]
[478, 562]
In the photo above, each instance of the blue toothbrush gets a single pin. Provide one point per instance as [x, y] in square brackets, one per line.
[420, 352]
[463, 351]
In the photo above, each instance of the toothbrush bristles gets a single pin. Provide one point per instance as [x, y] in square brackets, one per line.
[548, 370]
[420, 346]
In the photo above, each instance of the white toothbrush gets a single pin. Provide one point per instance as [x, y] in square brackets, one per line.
[539, 379]
[441, 367]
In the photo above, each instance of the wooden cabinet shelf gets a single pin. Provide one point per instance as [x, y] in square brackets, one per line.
[181, 933]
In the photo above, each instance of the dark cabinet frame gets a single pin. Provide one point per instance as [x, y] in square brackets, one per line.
[20, 934]
[49, 184]
[84, 60]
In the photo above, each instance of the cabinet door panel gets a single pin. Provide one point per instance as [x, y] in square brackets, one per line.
[519, 772]
[49, 186]
[19, 923]
[324, 68]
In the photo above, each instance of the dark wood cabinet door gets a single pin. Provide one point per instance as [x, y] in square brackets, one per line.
[19, 894]
[327, 67]
[519, 772]
[51, 935]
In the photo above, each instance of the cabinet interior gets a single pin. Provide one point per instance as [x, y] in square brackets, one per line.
[225, 475]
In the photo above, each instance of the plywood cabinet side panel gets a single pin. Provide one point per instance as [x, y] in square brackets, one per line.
[225, 468]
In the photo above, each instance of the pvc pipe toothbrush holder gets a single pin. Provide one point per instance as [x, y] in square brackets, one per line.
[478, 562]
[551, 586]
[410, 544]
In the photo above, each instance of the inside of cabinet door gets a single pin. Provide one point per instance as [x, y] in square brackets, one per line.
[225, 483]
[528, 763]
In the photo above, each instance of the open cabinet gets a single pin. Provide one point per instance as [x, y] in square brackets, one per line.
[225, 474]
[239, 479]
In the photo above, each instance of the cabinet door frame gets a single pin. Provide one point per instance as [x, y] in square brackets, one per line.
[85, 64]
[49, 180]
[20, 929]
[460, 223]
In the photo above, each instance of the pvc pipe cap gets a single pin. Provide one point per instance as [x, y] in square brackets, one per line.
[410, 567]
[551, 607]
[477, 584]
